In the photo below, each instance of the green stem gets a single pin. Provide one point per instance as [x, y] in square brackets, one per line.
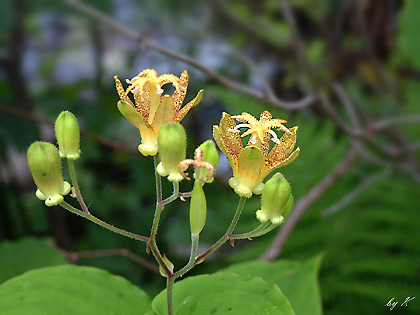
[152, 240]
[173, 197]
[76, 186]
[194, 248]
[105, 225]
[250, 234]
[225, 237]
[171, 280]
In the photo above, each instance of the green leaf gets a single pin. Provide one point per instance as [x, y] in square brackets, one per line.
[224, 294]
[297, 280]
[26, 254]
[69, 289]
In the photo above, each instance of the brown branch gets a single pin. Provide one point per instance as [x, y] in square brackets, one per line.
[275, 101]
[104, 253]
[274, 250]
[103, 141]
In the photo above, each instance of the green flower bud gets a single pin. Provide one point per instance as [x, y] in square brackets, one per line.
[198, 209]
[172, 142]
[68, 135]
[210, 155]
[45, 165]
[168, 263]
[276, 201]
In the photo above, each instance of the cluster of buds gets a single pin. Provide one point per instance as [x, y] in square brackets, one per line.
[45, 163]
[157, 117]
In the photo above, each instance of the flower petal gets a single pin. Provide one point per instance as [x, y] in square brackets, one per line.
[121, 92]
[282, 150]
[180, 92]
[165, 112]
[184, 110]
[231, 140]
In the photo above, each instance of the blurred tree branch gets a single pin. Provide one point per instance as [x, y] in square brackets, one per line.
[262, 95]
[73, 256]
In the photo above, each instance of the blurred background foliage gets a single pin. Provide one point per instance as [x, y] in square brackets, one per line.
[54, 57]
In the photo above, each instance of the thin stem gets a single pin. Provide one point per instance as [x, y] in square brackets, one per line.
[105, 225]
[194, 248]
[152, 240]
[76, 186]
[173, 197]
[225, 237]
[250, 234]
[269, 229]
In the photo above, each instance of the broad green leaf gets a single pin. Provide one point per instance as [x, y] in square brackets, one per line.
[297, 280]
[64, 290]
[224, 294]
[26, 254]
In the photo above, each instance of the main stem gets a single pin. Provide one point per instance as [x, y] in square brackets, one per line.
[225, 237]
[171, 280]
[76, 186]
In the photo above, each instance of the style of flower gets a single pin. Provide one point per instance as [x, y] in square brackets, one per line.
[252, 163]
[151, 109]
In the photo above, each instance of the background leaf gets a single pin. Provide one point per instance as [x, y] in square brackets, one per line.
[297, 280]
[224, 294]
[26, 254]
[71, 290]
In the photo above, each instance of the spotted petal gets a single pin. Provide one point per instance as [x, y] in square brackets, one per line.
[180, 93]
[231, 140]
[282, 150]
[184, 110]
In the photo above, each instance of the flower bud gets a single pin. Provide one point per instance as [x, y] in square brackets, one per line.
[246, 179]
[45, 165]
[210, 155]
[276, 201]
[172, 142]
[68, 135]
[198, 209]
[168, 263]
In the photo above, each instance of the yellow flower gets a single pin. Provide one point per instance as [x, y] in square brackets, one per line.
[252, 163]
[151, 109]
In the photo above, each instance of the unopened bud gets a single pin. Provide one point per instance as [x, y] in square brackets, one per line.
[276, 201]
[45, 165]
[209, 155]
[68, 135]
[198, 209]
[172, 142]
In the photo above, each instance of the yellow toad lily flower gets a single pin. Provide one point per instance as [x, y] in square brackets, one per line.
[252, 163]
[151, 109]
